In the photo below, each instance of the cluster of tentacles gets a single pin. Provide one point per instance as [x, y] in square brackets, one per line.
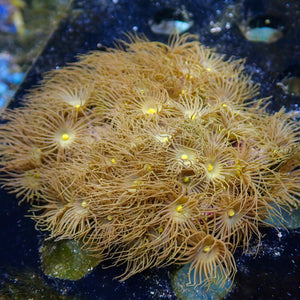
[152, 155]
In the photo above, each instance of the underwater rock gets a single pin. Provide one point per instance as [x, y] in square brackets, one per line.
[290, 218]
[263, 29]
[262, 34]
[28, 284]
[171, 21]
[218, 289]
[65, 259]
[290, 85]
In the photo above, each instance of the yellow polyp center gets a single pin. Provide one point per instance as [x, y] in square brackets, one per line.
[35, 155]
[179, 208]
[113, 161]
[151, 111]
[238, 167]
[84, 204]
[183, 92]
[206, 249]
[77, 106]
[186, 179]
[160, 230]
[109, 217]
[151, 107]
[147, 167]
[208, 69]
[190, 114]
[188, 76]
[209, 167]
[163, 137]
[184, 156]
[136, 182]
[230, 213]
[32, 179]
[65, 136]
[224, 105]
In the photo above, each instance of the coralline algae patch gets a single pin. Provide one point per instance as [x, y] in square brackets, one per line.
[152, 155]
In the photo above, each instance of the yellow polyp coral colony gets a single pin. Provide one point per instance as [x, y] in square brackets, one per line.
[153, 155]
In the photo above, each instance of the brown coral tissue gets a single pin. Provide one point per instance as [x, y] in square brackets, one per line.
[152, 155]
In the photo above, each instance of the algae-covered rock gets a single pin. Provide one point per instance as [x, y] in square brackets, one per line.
[288, 218]
[292, 219]
[180, 284]
[65, 259]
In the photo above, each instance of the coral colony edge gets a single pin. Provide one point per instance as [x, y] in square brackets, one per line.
[153, 155]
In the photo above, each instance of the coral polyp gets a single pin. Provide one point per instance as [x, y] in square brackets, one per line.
[211, 260]
[153, 155]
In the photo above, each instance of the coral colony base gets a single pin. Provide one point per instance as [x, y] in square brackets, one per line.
[153, 155]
